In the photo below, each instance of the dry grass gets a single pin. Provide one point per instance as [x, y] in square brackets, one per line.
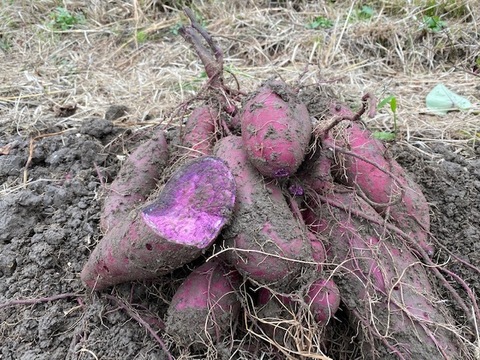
[127, 53]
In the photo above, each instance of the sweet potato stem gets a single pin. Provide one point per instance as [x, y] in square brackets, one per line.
[213, 64]
[217, 51]
[211, 58]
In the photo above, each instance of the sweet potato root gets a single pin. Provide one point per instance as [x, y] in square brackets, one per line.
[315, 174]
[135, 181]
[323, 297]
[205, 306]
[183, 221]
[276, 130]
[200, 131]
[264, 239]
[384, 286]
[382, 180]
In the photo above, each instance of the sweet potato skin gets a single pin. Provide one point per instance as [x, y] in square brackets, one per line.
[276, 130]
[205, 303]
[264, 237]
[136, 179]
[126, 253]
[200, 131]
[406, 206]
[315, 173]
[383, 283]
[323, 297]
[166, 234]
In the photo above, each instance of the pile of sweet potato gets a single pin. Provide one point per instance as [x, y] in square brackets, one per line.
[296, 215]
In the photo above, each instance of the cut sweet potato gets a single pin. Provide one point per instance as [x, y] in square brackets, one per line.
[184, 220]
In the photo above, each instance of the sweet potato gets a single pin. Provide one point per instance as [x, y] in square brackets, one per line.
[135, 181]
[205, 306]
[384, 286]
[323, 298]
[315, 172]
[175, 229]
[276, 130]
[393, 193]
[200, 131]
[264, 239]
[319, 253]
[274, 315]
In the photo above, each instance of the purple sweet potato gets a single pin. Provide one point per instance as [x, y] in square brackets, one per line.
[384, 285]
[200, 131]
[276, 130]
[319, 253]
[205, 306]
[264, 240]
[264, 296]
[323, 297]
[135, 181]
[274, 315]
[315, 173]
[396, 197]
[176, 228]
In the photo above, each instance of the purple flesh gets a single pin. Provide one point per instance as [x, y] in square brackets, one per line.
[281, 173]
[296, 190]
[194, 204]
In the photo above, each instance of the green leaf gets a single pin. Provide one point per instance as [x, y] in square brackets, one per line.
[434, 23]
[175, 28]
[387, 100]
[321, 22]
[393, 104]
[62, 19]
[366, 12]
[440, 100]
[384, 136]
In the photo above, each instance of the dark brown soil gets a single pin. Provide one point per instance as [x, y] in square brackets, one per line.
[49, 227]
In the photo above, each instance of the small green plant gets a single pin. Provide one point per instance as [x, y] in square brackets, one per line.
[174, 29]
[5, 44]
[320, 22]
[387, 135]
[141, 37]
[434, 23]
[366, 12]
[62, 19]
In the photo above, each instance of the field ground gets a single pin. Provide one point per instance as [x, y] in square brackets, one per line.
[81, 83]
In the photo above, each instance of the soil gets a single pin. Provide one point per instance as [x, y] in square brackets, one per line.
[50, 224]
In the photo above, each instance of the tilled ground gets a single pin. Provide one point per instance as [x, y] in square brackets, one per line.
[49, 226]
